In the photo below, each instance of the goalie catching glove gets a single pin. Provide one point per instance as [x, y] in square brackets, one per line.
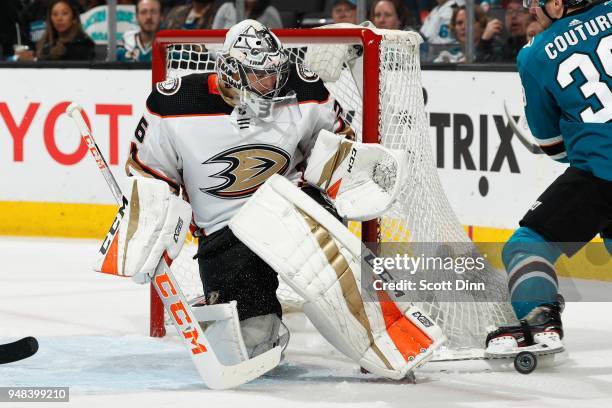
[362, 180]
[154, 220]
[320, 259]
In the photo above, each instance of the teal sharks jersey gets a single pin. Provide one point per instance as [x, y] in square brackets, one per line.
[566, 72]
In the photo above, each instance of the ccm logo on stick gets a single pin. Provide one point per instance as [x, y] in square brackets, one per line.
[110, 235]
[179, 313]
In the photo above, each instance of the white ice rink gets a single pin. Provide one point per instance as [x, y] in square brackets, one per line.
[93, 328]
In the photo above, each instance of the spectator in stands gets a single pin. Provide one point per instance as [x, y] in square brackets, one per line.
[136, 45]
[11, 10]
[344, 11]
[391, 15]
[533, 28]
[436, 27]
[168, 4]
[33, 20]
[420, 9]
[517, 19]
[64, 38]
[485, 47]
[259, 10]
[197, 15]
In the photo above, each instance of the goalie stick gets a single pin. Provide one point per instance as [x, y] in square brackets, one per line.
[214, 374]
[520, 135]
[18, 350]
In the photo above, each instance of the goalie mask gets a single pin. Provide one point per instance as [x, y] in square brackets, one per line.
[252, 66]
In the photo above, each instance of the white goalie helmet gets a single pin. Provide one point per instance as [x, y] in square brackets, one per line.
[252, 61]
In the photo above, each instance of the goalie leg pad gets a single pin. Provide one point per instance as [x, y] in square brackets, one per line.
[320, 259]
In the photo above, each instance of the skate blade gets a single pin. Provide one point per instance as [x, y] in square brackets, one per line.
[474, 361]
[536, 349]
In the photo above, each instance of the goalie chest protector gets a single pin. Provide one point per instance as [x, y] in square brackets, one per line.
[219, 153]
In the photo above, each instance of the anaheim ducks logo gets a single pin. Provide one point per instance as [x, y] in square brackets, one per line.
[169, 86]
[248, 168]
[305, 74]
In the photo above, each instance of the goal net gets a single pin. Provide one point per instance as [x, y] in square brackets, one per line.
[381, 96]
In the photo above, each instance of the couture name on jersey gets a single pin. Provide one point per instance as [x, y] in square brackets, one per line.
[580, 31]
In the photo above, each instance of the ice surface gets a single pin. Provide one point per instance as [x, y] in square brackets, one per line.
[93, 334]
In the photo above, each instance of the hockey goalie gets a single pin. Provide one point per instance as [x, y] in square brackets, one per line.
[258, 158]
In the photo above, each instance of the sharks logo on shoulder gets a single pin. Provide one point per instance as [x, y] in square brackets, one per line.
[248, 167]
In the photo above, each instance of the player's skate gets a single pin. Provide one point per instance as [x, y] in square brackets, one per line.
[539, 333]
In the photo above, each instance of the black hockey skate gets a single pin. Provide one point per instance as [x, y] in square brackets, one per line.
[539, 333]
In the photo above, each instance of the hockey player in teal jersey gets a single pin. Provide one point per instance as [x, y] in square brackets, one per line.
[566, 73]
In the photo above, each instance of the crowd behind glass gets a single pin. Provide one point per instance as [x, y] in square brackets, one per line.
[61, 30]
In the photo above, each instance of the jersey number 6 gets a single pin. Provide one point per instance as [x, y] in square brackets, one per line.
[141, 129]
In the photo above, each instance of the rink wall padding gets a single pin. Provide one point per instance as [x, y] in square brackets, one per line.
[62, 220]
[51, 187]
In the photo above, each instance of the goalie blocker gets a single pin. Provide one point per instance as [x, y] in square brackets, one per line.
[154, 221]
[320, 259]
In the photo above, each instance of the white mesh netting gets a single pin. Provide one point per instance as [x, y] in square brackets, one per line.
[422, 212]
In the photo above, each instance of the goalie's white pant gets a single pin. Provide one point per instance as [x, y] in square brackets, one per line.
[320, 259]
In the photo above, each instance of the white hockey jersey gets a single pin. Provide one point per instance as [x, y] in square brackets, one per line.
[191, 137]
[436, 27]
